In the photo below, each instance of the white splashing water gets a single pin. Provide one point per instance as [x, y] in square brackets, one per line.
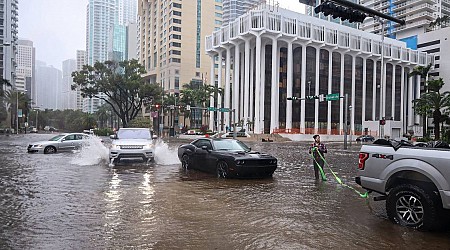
[92, 153]
[165, 155]
[95, 152]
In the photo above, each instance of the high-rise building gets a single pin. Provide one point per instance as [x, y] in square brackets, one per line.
[81, 60]
[100, 19]
[8, 39]
[25, 68]
[132, 38]
[48, 80]
[233, 9]
[106, 35]
[69, 96]
[171, 45]
[416, 13]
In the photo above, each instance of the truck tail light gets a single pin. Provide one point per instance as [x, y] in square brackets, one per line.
[362, 160]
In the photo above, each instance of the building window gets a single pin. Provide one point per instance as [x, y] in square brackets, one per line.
[175, 36]
[218, 15]
[175, 20]
[388, 91]
[323, 86]
[176, 5]
[175, 44]
[176, 13]
[335, 88]
[218, 7]
[369, 91]
[398, 83]
[310, 86]
[218, 22]
[174, 52]
[175, 60]
[177, 82]
[358, 93]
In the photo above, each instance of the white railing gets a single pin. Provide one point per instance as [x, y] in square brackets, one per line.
[304, 29]
[289, 26]
[273, 22]
[260, 19]
[318, 33]
[331, 36]
[366, 45]
[344, 39]
[257, 19]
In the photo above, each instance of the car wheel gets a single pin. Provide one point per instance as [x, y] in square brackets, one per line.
[222, 169]
[49, 150]
[185, 161]
[412, 206]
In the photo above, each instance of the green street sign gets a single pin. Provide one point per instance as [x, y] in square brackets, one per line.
[332, 97]
[212, 109]
[224, 110]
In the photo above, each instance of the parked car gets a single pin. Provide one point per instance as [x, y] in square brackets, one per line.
[33, 129]
[132, 143]
[227, 158]
[61, 142]
[50, 129]
[365, 138]
[414, 180]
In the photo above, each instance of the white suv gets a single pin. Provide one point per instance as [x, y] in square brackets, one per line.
[132, 143]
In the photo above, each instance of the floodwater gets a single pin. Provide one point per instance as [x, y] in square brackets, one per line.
[76, 200]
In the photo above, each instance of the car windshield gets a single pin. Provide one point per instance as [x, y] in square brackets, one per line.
[230, 145]
[134, 134]
[56, 138]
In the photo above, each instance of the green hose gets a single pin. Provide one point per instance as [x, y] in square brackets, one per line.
[362, 195]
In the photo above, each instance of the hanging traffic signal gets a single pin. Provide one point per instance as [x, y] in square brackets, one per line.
[337, 11]
[157, 106]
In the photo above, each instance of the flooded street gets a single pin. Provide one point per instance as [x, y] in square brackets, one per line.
[77, 201]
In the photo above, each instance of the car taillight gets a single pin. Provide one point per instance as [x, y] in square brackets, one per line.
[362, 160]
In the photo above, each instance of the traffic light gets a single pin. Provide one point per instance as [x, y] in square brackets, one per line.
[157, 106]
[382, 122]
[337, 11]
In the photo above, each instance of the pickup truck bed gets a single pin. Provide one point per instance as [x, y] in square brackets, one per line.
[415, 181]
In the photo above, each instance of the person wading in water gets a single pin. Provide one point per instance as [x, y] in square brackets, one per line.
[318, 150]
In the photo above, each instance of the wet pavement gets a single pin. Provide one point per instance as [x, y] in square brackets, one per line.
[76, 200]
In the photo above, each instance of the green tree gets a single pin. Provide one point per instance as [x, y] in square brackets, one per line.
[434, 103]
[423, 72]
[119, 84]
[440, 21]
[12, 98]
[3, 83]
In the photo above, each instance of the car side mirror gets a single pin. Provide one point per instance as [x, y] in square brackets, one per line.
[113, 137]
[63, 139]
[204, 147]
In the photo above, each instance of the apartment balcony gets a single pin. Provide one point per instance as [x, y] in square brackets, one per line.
[412, 25]
[445, 3]
[276, 25]
[445, 10]
[427, 5]
[420, 16]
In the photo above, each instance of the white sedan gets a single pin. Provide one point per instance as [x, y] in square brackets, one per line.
[61, 142]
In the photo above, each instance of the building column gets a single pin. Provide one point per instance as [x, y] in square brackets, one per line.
[219, 96]
[262, 87]
[352, 112]
[211, 99]
[256, 126]
[363, 113]
[236, 84]
[330, 89]
[393, 92]
[316, 92]
[383, 92]
[417, 119]
[290, 65]
[402, 100]
[341, 101]
[227, 87]
[247, 55]
[409, 101]
[274, 84]
[374, 92]
[251, 114]
[303, 90]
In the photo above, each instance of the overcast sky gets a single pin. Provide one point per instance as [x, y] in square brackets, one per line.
[58, 27]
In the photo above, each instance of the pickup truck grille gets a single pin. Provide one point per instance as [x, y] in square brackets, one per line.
[131, 146]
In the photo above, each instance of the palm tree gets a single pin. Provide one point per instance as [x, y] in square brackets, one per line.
[13, 98]
[3, 82]
[434, 103]
[423, 72]
[102, 115]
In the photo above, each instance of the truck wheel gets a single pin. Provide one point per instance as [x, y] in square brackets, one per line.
[412, 206]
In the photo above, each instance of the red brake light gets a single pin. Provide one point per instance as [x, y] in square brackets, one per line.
[362, 160]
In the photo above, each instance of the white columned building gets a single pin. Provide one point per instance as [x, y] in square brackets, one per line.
[271, 54]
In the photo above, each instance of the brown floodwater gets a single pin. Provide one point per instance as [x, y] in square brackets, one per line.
[76, 200]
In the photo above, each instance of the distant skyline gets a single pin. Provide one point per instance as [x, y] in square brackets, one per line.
[58, 27]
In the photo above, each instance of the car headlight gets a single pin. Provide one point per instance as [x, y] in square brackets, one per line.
[240, 162]
[115, 146]
[148, 146]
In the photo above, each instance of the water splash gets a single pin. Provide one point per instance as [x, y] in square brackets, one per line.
[92, 153]
[165, 155]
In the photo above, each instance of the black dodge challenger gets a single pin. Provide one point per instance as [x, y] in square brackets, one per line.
[228, 158]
